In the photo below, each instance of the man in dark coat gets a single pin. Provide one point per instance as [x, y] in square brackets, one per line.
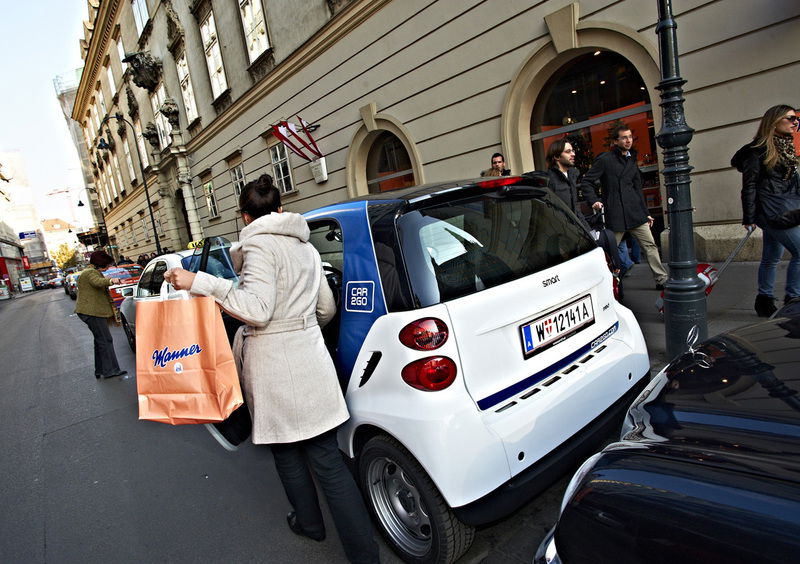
[498, 166]
[562, 178]
[623, 198]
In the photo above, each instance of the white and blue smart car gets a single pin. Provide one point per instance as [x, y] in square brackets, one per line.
[480, 348]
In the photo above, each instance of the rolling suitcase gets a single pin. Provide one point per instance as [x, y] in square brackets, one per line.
[708, 273]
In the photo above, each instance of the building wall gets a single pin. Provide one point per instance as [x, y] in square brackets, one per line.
[457, 81]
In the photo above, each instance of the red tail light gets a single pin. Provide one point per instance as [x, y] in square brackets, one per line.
[430, 374]
[498, 182]
[424, 334]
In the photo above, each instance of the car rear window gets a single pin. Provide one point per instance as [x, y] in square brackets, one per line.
[456, 248]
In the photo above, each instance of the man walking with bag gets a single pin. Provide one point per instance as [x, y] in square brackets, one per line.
[623, 199]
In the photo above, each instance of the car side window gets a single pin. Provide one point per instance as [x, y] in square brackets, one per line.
[143, 289]
[158, 277]
[326, 236]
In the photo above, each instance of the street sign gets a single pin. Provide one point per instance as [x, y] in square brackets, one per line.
[26, 284]
[27, 235]
[26, 264]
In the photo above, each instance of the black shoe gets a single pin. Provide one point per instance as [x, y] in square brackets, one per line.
[115, 374]
[98, 376]
[291, 519]
[659, 287]
[787, 300]
[625, 271]
[765, 305]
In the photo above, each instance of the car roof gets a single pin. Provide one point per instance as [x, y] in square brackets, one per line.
[416, 194]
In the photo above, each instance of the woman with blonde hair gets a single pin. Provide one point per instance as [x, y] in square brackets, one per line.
[770, 194]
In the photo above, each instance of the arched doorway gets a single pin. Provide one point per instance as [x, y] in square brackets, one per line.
[587, 97]
[584, 99]
[388, 164]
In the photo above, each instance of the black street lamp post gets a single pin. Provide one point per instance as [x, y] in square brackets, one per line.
[684, 294]
[103, 145]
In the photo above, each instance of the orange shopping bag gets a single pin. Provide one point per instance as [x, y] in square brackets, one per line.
[185, 371]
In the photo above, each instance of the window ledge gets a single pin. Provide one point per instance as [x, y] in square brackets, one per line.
[262, 66]
[223, 101]
[194, 127]
[148, 27]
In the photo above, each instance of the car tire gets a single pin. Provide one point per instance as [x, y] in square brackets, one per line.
[129, 335]
[413, 517]
[73, 296]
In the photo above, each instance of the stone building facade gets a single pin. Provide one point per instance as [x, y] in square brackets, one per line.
[414, 91]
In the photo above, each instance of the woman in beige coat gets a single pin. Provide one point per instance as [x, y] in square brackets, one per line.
[287, 375]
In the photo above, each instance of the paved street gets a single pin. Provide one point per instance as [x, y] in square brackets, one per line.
[84, 481]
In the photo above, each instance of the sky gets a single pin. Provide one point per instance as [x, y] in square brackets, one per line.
[39, 40]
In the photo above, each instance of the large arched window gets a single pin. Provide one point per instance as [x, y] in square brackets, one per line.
[583, 101]
[388, 164]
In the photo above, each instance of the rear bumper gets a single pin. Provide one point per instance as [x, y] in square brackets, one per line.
[524, 486]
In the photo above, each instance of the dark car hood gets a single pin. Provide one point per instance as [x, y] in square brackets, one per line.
[733, 402]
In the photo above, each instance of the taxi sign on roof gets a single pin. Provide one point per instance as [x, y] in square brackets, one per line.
[195, 244]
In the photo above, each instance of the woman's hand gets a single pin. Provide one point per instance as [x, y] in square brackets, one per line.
[750, 227]
[179, 278]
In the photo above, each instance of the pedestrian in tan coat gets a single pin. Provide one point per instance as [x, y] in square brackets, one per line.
[287, 375]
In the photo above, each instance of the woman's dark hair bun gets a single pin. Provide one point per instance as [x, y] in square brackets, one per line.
[264, 182]
[260, 197]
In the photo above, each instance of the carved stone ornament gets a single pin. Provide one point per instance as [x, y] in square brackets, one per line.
[121, 129]
[200, 9]
[133, 105]
[145, 70]
[151, 134]
[174, 27]
[112, 145]
[170, 109]
[335, 6]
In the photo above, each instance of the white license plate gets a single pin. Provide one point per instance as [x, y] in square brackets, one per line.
[549, 330]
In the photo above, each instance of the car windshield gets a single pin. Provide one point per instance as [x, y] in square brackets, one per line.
[460, 247]
[218, 262]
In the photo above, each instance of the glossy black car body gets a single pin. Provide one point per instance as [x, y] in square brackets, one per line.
[708, 467]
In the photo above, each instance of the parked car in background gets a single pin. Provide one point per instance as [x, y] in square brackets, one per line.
[480, 347]
[707, 468]
[71, 285]
[128, 275]
[215, 260]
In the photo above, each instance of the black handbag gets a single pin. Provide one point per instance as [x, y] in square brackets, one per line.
[782, 209]
[237, 427]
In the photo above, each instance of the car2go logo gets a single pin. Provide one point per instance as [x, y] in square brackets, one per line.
[359, 296]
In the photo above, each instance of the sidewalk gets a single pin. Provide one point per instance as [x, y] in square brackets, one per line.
[729, 305]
